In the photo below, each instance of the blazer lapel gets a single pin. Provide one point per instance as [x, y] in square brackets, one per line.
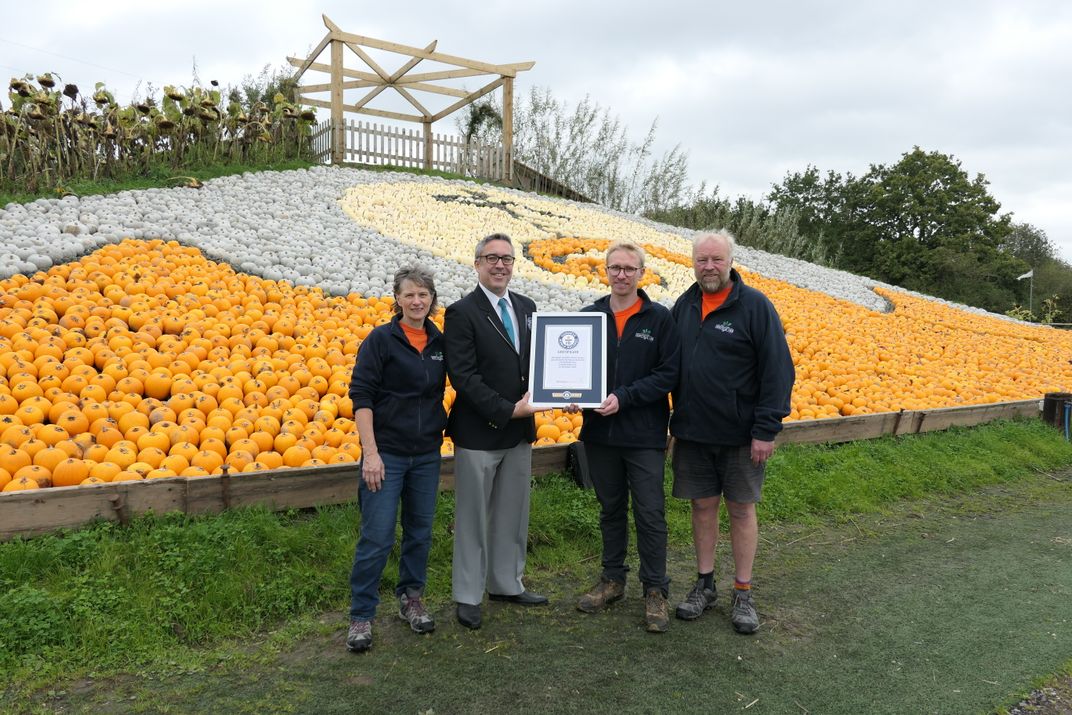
[492, 316]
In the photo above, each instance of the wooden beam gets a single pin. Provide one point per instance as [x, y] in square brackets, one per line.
[367, 59]
[946, 417]
[364, 110]
[845, 429]
[432, 88]
[427, 146]
[357, 74]
[413, 62]
[508, 129]
[458, 74]
[371, 80]
[881, 424]
[351, 84]
[442, 74]
[338, 137]
[362, 83]
[412, 100]
[369, 97]
[392, 115]
[469, 99]
[308, 61]
[36, 512]
[507, 70]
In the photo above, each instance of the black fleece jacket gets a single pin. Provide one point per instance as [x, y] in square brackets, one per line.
[403, 388]
[642, 369]
[736, 370]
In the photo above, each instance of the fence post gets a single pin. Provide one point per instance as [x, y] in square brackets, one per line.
[338, 138]
[508, 128]
[427, 146]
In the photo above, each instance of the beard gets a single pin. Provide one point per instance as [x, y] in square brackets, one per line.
[713, 282]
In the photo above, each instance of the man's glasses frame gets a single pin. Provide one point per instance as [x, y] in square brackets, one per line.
[629, 271]
[491, 259]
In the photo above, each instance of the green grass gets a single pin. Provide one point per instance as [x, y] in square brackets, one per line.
[176, 589]
[158, 177]
[810, 480]
[948, 604]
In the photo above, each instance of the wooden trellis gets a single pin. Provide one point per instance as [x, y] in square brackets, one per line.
[404, 84]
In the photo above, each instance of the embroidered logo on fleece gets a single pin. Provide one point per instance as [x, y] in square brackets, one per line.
[725, 326]
[436, 356]
[645, 334]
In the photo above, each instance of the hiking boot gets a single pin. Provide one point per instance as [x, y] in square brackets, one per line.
[601, 595]
[698, 601]
[656, 611]
[359, 638]
[744, 617]
[411, 610]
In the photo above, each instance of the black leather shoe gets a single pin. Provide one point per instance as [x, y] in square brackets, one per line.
[525, 598]
[469, 616]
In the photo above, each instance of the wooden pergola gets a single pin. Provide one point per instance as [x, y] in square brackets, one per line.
[402, 82]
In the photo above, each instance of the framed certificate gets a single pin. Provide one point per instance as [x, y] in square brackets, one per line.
[568, 363]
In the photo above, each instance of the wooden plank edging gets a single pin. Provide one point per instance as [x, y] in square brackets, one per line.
[880, 424]
[42, 511]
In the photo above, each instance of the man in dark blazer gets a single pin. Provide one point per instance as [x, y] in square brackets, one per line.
[487, 337]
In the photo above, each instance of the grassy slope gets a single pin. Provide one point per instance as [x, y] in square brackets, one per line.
[178, 595]
[948, 605]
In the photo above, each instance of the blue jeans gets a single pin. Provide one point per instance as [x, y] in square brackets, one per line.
[413, 481]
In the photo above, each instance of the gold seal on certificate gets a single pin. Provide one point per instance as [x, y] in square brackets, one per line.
[568, 361]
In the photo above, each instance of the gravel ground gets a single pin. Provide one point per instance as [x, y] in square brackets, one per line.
[1054, 699]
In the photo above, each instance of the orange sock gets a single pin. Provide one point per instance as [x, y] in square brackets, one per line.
[742, 585]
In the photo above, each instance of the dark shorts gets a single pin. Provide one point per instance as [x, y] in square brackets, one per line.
[708, 470]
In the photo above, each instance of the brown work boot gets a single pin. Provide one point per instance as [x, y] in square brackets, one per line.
[601, 595]
[656, 611]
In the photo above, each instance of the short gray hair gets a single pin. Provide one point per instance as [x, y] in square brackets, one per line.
[493, 237]
[722, 233]
[418, 276]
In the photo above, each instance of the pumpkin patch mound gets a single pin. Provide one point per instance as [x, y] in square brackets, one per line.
[144, 359]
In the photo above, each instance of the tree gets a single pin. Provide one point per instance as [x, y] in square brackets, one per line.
[817, 202]
[755, 224]
[921, 223]
[1029, 244]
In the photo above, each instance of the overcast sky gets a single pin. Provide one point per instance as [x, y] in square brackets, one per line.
[749, 90]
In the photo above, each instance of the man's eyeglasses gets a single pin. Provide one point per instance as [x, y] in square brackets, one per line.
[627, 270]
[491, 259]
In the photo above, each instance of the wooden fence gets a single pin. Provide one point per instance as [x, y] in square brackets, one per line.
[42, 511]
[384, 145]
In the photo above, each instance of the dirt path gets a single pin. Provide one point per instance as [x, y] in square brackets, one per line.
[949, 605]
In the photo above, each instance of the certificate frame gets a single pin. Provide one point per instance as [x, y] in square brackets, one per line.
[561, 373]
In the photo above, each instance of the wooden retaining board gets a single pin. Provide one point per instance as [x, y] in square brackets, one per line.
[881, 424]
[42, 511]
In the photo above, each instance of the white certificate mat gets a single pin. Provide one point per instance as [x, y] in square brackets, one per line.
[568, 359]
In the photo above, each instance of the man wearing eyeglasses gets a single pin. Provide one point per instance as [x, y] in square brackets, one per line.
[736, 379]
[491, 422]
[625, 437]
